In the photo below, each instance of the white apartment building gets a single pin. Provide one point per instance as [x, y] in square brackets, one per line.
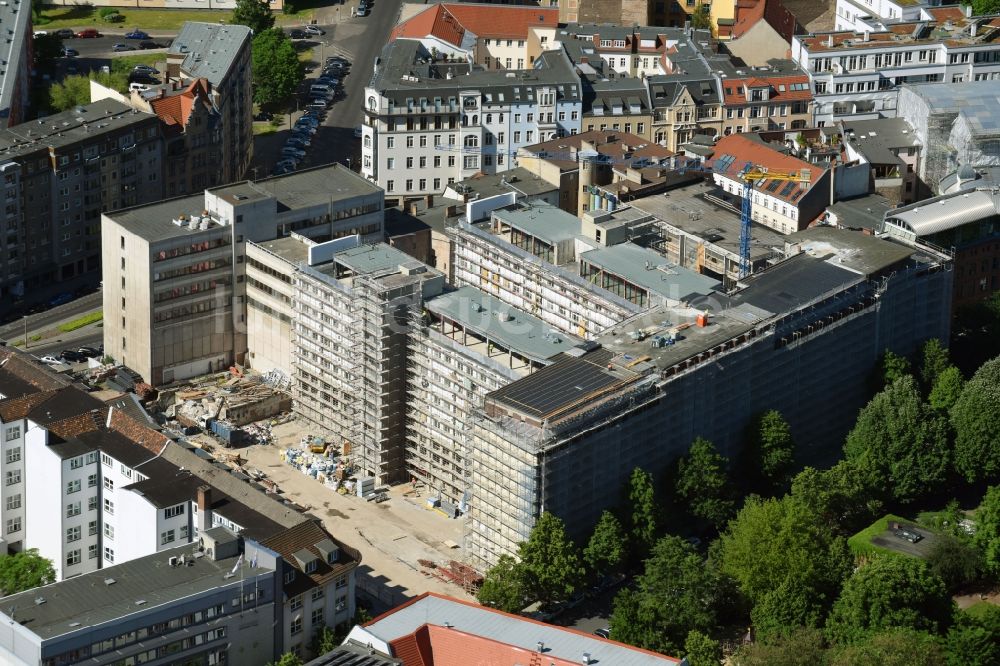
[429, 123]
[861, 15]
[856, 75]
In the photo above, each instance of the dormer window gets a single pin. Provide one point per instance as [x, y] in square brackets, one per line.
[311, 566]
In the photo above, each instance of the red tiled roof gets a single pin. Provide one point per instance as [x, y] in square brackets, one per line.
[746, 150]
[449, 22]
[14, 409]
[734, 95]
[149, 439]
[749, 12]
[305, 536]
[414, 649]
[176, 109]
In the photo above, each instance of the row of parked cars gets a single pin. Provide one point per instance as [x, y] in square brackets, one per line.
[73, 356]
[306, 32]
[323, 91]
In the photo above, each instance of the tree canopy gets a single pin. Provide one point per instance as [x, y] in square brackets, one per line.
[899, 443]
[893, 647]
[701, 649]
[984, 7]
[987, 535]
[889, 592]
[703, 484]
[946, 390]
[255, 14]
[643, 525]
[72, 91]
[24, 571]
[550, 561]
[975, 418]
[677, 592]
[802, 647]
[935, 361]
[287, 659]
[276, 67]
[773, 446]
[503, 586]
[974, 640]
[605, 552]
[894, 366]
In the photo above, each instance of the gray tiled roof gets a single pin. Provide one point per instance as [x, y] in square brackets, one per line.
[209, 49]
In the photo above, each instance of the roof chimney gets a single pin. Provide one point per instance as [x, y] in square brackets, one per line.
[968, 10]
[204, 507]
[829, 41]
[586, 658]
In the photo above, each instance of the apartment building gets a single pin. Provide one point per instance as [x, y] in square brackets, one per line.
[891, 149]
[220, 53]
[469, 344]
[567, 437]
[957, 126]
[861, 15]
[759, 104]
[175, 271]
[275, 5]
[485, 34]
[673, 13]
[59, 174]
[621, 105]
[857, 75]
[15, 79]
[431, 122]
[783, 205]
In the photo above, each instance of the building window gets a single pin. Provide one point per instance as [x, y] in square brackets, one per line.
[167, 537]
[106, 459]
[173, 511]
[317, 616]
[409, 185]
[91, 480]
[13, 525]
[72, 534]
[109, 531]
[73, 509]
[92, 551]
[341, 603]
[109, 506]
[13, 454]
[14, 502]
[109, 555]
[296, 626]
[109, 483]
[73, 557]
[92, 503]
[289, 576]
[317, 593]
[341, 582]
[13, 432]
[76, 463]
[92, 528]
[295, 603]
[390, 185]
[73, 487]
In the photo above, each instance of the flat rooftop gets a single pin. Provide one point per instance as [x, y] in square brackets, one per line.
[650, 270]
[687, 209]
[491, 318]
[87, 121]
[541, 220]
[518, 180]
[79, 604]
[291, 249]
[865, 212]
[852, 250]
[877, 139]
[794, 282]
[375, 258]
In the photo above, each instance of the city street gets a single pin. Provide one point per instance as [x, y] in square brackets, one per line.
[360, 39]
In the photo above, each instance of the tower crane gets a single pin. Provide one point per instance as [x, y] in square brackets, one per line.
[750, 175]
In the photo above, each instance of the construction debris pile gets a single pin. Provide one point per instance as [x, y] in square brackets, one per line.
[454, 572]
[224, 404]
[314, 457]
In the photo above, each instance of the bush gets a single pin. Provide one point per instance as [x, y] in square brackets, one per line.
[105, 12]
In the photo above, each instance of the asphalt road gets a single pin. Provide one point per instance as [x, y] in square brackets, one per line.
[42, 320]
[360, 40]
[57, 346]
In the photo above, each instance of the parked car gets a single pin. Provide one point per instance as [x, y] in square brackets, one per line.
[287, 163]
[299, 142]
[362, 10]
[136, 34]
[312, 120]
[50, 359]
[88, 33]
[72, 356]
[150, 45]
[314, 30]
[60, 299]
[296, 34]
[338, 60]
[40, 33]
[603, 633]
[70, 53]
[291, 151]
[65, 33]
[89, 352]
[118, 48]
[146, 69]
[329, 81]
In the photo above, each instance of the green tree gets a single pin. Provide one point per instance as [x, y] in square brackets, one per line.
[550, 560]
[894, 367]
[678, 591]
[72, 91]
[889, 592]
[935, 361]
[324, 640]
[772, 541]
[276, 67]
[24, 571]
[987, 535]
[643, 525]
[790, 606]
[700, 18]
[840, 496]
[702, 483]
[946, 390]
[701, 649]
[894, 647]
[255, 14]
[287, 659]
[954, 561]
[975, 640]
[605, 551]
[899, 443]
[504, 586]
[976, 420]
[984, 7]
[801, 647]
[773, 446]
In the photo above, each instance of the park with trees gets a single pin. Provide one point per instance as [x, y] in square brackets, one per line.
[785, 565]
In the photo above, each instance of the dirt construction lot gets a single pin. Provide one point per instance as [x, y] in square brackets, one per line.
[391, 535]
